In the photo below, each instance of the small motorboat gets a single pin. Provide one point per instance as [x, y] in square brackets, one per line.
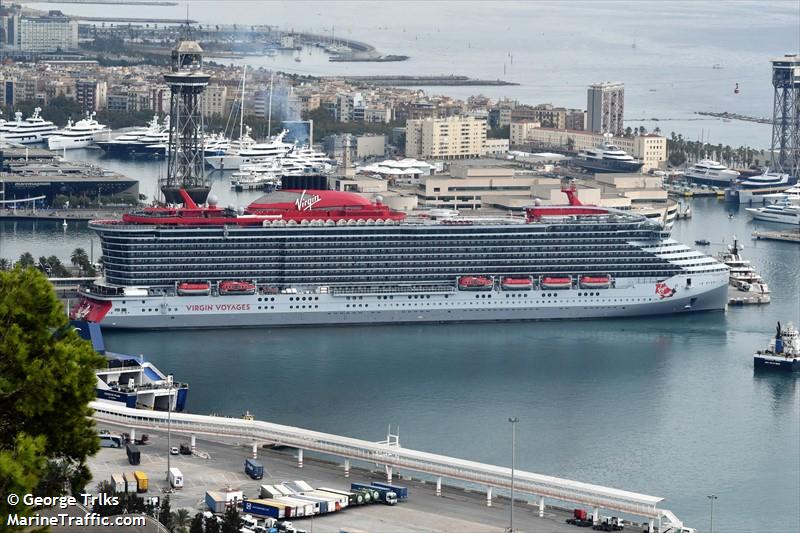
[557, 282]
[702, 242]
[194, 288]
[475, 283]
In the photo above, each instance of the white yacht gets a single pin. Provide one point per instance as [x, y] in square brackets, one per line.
[792, 195]
[711, 173]
[784, 212]
[742, 273]
[33, 129]
[78, 135]
[263, 176]
[753, 189]
[233, 158]
[607, 157]
[129, 143]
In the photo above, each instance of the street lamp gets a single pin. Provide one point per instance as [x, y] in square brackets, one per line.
[169, 424]
[513, 421]
[711, 498]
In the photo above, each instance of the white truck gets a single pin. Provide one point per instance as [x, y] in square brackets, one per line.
[175, 478]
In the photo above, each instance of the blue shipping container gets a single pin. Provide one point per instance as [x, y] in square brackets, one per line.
[260, 508]
[401, 492]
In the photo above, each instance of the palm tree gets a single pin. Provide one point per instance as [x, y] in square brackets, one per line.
[5, 264]
[26, 260]
[181, 519]
[79, 257]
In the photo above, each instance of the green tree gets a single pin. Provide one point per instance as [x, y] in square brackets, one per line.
[46, 382]
[211, 525]
[499, 133]
[5, 264]
[181, 520]
[197, 524]
[79, 257]
[676, 159]
[165, 514]
[26, 260]
[230, 522]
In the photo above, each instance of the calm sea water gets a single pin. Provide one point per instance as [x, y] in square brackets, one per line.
[668, 406]
[554, 50]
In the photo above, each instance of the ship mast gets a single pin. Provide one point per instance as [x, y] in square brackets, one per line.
[186, 164]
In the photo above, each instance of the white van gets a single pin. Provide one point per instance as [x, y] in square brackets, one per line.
[175, 478]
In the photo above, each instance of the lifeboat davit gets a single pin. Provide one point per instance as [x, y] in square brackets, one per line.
[474, 283]
[595, 282]
[194, 288]
[236, 287]
[516, 284]
[557, 283]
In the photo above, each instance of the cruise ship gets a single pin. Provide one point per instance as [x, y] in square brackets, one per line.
[79, 135]
[321, 257]
[607, 157]
[33, 129]
[711, 173]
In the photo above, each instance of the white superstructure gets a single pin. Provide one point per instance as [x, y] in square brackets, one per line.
[33, 129]
[783, 212]
[710, 172]
[78, 135]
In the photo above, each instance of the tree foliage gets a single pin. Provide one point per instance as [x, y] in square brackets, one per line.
[46, 381]
[230, 522]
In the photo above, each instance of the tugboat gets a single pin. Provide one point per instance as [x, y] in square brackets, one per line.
[783, 352]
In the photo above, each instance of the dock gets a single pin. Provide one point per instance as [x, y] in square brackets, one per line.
[388, 458]
[739, 298]
[412, 81]
[786, 236]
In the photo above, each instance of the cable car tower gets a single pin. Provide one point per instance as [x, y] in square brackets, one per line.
[786, 115]
[186, 164]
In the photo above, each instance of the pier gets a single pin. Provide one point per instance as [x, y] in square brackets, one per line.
[786, 236]
[391, 457]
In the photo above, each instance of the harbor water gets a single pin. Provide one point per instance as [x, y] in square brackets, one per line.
[669, 406]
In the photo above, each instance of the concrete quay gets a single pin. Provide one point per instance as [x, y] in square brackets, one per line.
[456, 510]
[61, 214]
[786, 236]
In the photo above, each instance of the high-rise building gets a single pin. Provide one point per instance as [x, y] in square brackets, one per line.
[51, 33]
[445, 138]
[786, 115]
[605, 107]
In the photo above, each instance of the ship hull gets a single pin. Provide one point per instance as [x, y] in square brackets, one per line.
[783, 364]
[707, 293]
[604, 165]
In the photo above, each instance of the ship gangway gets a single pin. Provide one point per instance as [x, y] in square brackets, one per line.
[391, 456]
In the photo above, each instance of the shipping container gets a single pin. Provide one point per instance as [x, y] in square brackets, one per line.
[340, 500]
[118, 482]
[298, 486]
[141, 481]
[175, 478]
[216, 501]
[269, 508]
[401, 492]
[134, 456]
[254, 469]
[320, 506]
[283, 490]
[130, 482]
[268, 491]
[385, 495]
[302, 507]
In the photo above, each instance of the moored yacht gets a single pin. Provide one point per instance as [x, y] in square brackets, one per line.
[711, 173]
[742, 273]
[607, 157]
[251, 153]
[130, 143]
[784, 212]
[78, 135]
[33, 129]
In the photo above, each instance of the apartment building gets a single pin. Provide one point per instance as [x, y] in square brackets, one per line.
[445, 138]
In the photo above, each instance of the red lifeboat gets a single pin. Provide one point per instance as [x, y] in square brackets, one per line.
[474, 283]
[557, 282]
[236, 287]
[202, 288]
[595, 282]
[517, 284]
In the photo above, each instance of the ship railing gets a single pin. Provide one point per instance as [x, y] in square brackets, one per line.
[392, 289]
[261, 432]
